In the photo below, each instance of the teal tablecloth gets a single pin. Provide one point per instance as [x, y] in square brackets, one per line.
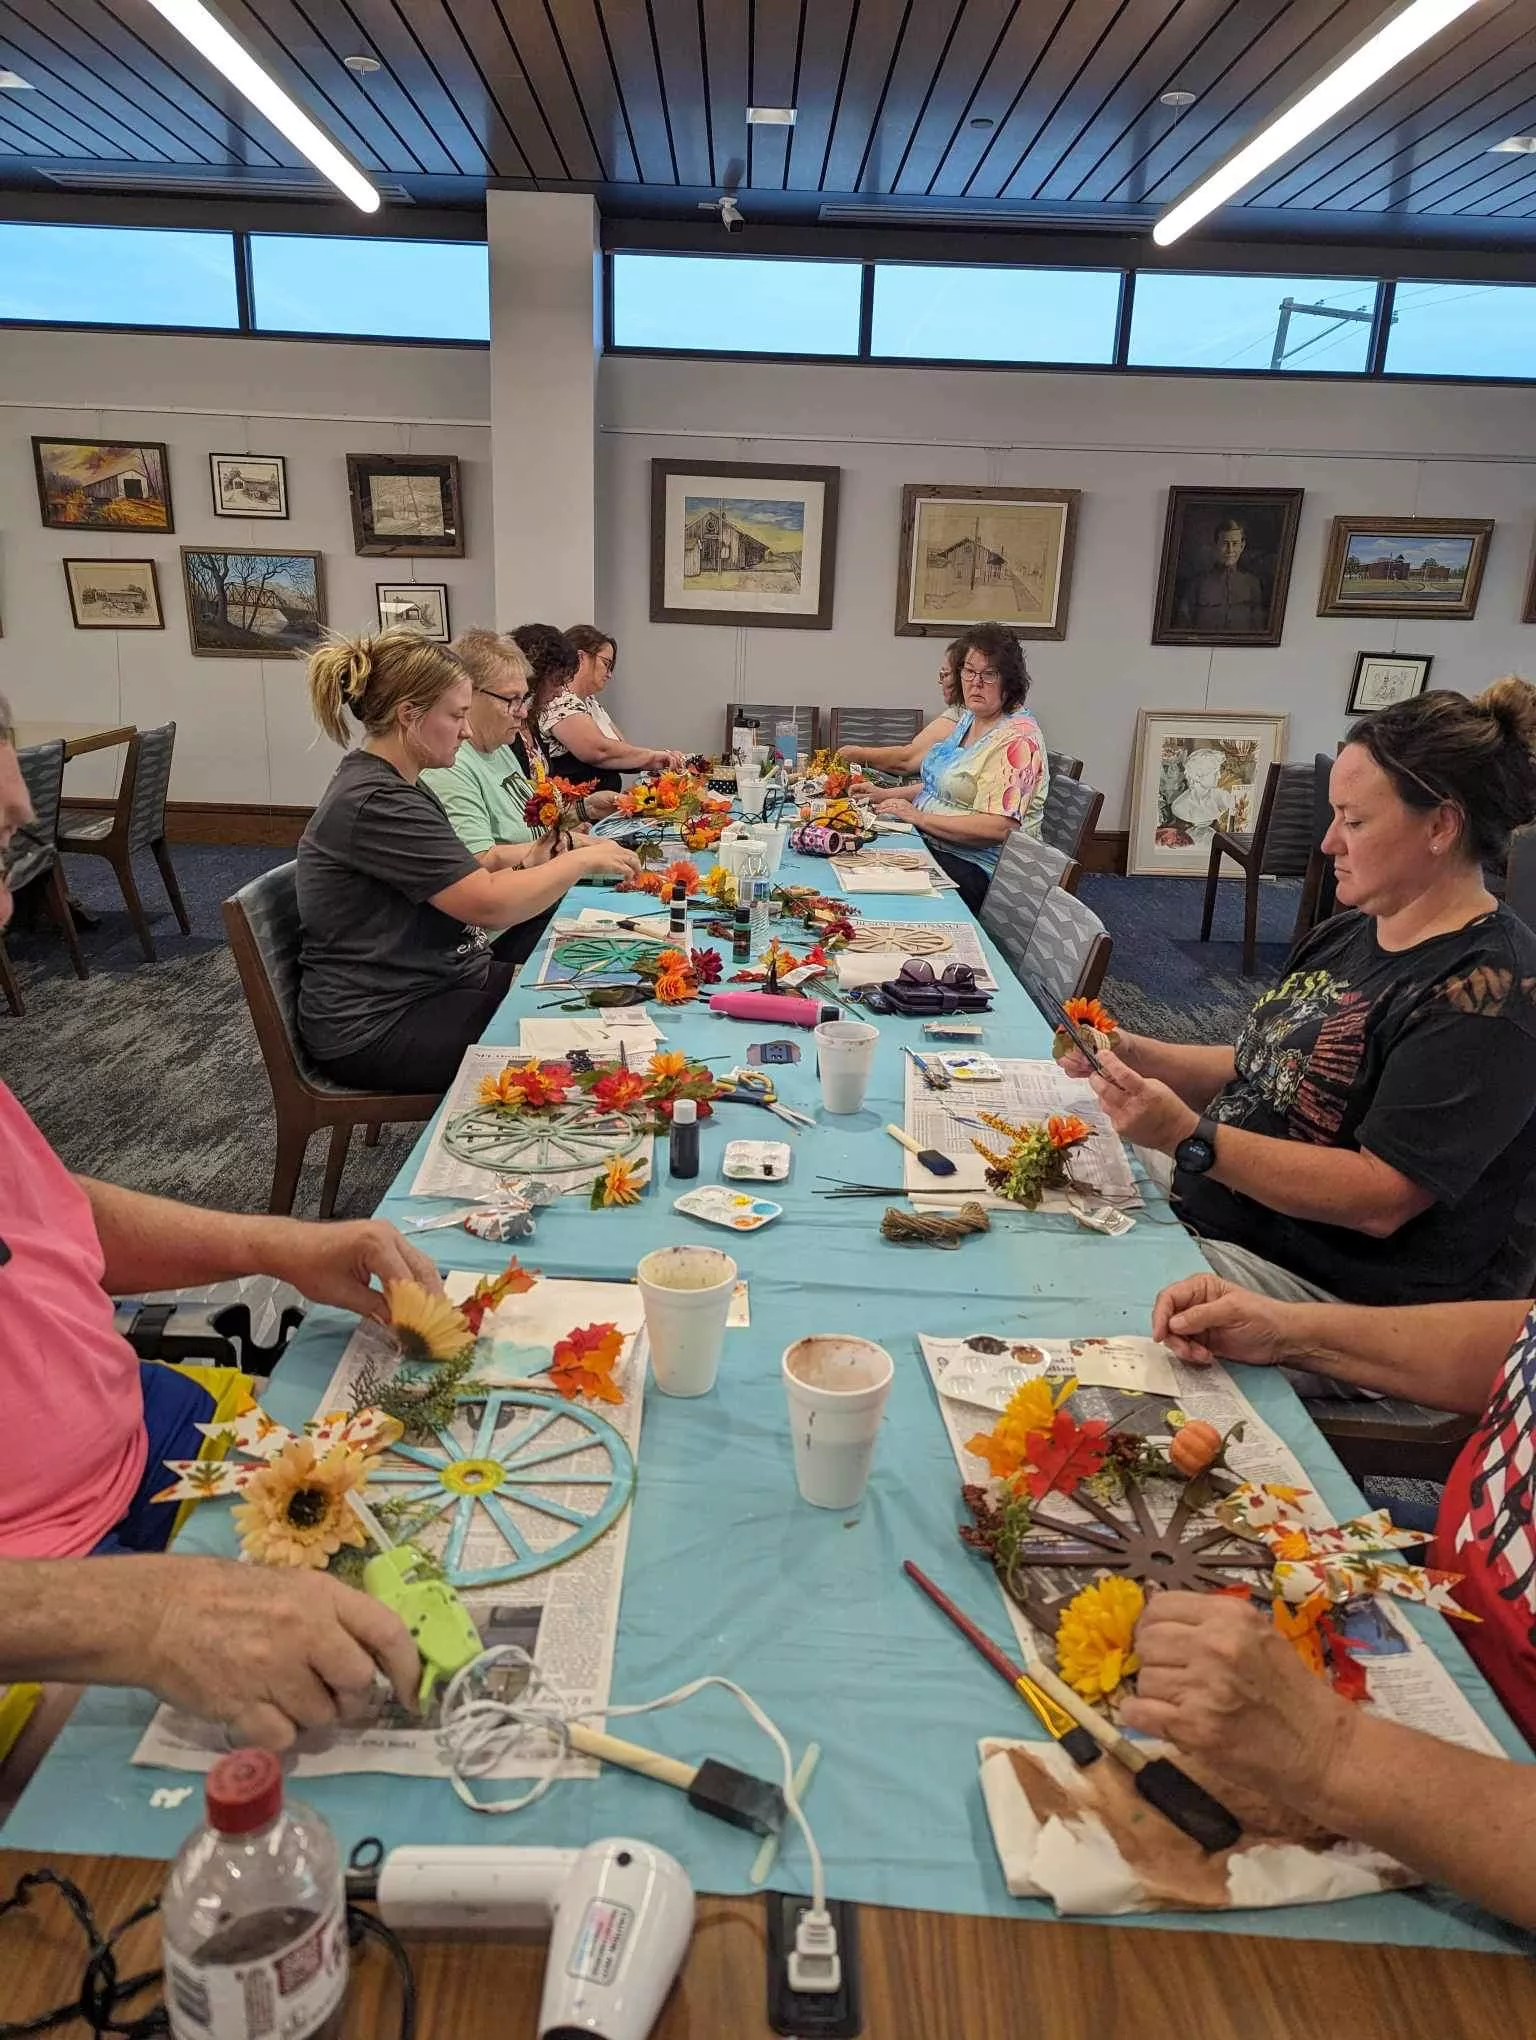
[729, 1572]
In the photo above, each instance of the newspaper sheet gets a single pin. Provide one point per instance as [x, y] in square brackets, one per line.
[566, 1617]
[444, 1175]
[1027, 1091]
[1408, 1682]
[858, 875]
[874, 966]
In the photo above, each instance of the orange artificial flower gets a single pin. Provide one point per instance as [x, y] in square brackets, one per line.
[1089, 1013]
[671, 959]
[583, 1362]
[643, 881]
[514, 1280]
[675, 988]
[617, 1091]
[620, 1183]
[684, 874]
[625, 804]
[1066, 1130]
[668, 1063]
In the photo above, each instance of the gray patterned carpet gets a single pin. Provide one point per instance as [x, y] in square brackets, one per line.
[149, 1074]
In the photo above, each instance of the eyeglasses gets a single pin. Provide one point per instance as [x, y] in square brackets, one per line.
[506, 700]
[988, 673]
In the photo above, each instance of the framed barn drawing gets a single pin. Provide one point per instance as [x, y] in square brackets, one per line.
[985, 555]
[738, 542]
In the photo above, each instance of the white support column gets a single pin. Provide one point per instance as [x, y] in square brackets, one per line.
[546, 338]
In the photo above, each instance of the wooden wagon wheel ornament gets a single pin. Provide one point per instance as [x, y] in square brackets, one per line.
[913, 937]
[566, 1147]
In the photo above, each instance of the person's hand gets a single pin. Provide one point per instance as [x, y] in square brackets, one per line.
[600, 805]
[1141, 1109]
[1218, 1681]
[609, 859]
[1127, 1047]
[337, 1262]
[265, 1650]
[1203, 1318]
[900, 810]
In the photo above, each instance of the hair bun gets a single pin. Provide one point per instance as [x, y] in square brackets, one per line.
[1512, 704]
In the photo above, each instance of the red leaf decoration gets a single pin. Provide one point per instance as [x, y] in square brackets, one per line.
[1066, 1454]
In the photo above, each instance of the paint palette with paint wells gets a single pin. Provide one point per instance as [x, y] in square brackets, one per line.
[734, 1209]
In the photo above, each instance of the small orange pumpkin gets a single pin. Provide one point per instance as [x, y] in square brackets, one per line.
[1194, 1448]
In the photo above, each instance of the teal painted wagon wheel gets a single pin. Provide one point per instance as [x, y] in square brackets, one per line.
[547, 1486]
[568, 1145]
[586, 955]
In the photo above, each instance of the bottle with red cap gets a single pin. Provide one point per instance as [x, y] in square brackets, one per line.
[254, 1914]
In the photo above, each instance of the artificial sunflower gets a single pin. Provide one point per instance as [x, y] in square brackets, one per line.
[425, 1324]
[1094, 1022]
[295, 1511]
[720, 885]
[1095, 1637]
[1029, 1411]
[620, 1183]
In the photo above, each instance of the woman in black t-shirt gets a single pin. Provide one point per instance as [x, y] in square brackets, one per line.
[1372, 1135]
[396, 972]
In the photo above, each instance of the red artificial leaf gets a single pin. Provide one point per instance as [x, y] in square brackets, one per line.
[1346, 1674]
[583, 1362]
[514, 1280]
[1066, 1454]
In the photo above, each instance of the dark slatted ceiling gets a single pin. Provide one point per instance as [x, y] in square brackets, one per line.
[1019, 105]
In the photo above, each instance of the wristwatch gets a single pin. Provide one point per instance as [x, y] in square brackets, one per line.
[1196, 1152]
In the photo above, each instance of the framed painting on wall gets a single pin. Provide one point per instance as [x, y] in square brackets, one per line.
[1404, 566]
[249, 484]
[253, 605]
[984, 555]
[406, 504]
[421, 604]
[1195, 771]
[103, 484]
[738, 542]
[1226, 566]
[1382, 678]
[113, 595]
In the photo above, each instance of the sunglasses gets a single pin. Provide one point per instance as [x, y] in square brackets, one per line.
[917, 970]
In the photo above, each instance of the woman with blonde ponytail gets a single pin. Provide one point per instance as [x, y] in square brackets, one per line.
[397, 977]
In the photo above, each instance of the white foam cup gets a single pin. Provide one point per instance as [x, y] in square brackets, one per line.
[836, 1386]
[845, 1055]
[687, 1296]
[770, 838]
[751, 792]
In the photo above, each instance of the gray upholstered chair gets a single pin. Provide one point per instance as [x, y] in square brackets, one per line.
[1071, 815]
[1068, 950]
[873, 725]
[1026, 872]
[1520, 875]
[766, 714]
[34, 855]
[136, 822]
[265, 934]
[1062, 766]
[1278, 846]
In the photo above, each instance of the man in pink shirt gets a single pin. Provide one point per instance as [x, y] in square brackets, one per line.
[265, 1652]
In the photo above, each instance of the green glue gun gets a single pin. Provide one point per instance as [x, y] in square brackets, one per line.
[440, 1624]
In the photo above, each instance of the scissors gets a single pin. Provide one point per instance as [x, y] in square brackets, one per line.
[751, 1087]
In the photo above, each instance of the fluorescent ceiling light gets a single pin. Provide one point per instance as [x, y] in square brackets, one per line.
[771, 116]
[211, 39]
[12, 81]
[1517, 145]
[1408, 28]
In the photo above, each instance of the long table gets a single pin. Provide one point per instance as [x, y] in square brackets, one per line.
[728, 1571]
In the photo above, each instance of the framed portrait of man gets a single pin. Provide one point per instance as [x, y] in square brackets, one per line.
[1226, 566]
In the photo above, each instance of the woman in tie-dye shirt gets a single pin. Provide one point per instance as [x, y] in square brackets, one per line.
[988, 776]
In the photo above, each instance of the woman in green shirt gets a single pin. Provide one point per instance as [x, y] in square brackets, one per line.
[486, 786]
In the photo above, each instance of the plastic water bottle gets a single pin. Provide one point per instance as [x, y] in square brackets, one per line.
[757, 893]
[254, 1915]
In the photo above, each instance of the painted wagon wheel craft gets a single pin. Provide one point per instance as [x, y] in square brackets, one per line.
[564, 1469]
[567, 1145]
[582, 954]
[908, 936]
[1193, 1556]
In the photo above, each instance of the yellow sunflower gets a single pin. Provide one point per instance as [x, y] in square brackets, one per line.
[295, 1510]
[426, 1325]
[1094, 1637]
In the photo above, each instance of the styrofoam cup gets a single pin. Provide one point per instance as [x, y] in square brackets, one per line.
[687, 1296]
[845, 1055]
[770, 838]
[750, 792]
[836, 1387]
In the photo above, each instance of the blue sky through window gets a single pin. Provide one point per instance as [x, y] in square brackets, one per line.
[411, 290]
[1181, 320]
[1463, 329]
[129, 276]
[730, 304]
[950, 313]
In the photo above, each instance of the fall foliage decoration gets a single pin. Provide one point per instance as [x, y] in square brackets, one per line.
[621, 1182]
[1092, 1020]
[425, 1324]
[489, 1291]
[295, 1511]
[583, 1363]
[529, 1089]
[1194, 1447]
[552, 804]
[1037, 1157]
[1095, 1637]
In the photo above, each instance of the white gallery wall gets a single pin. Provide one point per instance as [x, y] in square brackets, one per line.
[243, 727]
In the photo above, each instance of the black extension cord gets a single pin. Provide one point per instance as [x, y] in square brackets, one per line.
[103, 1993]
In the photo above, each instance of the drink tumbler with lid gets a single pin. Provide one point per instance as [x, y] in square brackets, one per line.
[254, 1915]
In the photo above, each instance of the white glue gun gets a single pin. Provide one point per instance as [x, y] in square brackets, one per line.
[619, 1915]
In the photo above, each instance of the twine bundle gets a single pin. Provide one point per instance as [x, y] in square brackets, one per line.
[924, 1229]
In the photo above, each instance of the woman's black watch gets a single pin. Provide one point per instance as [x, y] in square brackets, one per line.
[1196, 1152]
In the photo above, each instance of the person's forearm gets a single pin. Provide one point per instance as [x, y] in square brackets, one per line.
[1327, 1186]
[509, 856]
[1455, 1816]
[1196, 1074]
[520, 895]
[1442, 1354]
[887, 796]
[584, 740]
[155, 1243]
[881, 757]
[963, 829]
[81, 1620]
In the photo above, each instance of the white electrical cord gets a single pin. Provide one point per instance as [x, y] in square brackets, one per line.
[476, 1731]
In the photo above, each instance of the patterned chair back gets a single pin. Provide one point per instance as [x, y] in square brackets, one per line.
[1063, 767]
[767, 714]
[146, 781]
[1071, 814]
[1288, 834]
[1026, 873]
[1520, 875]
[266, 914]
[873, 725]
[32, 848]
[1068, 950]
